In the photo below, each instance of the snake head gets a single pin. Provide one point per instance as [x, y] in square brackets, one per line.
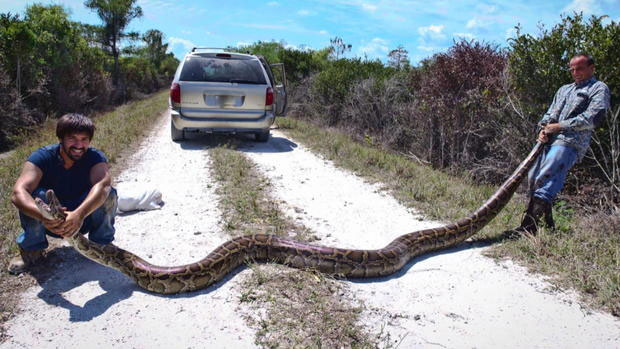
[54, 209]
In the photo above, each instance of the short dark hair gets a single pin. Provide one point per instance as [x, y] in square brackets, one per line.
[589, 58]
[74, 123]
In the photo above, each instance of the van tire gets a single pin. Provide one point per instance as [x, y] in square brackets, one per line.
[262, 136]
[176, 134]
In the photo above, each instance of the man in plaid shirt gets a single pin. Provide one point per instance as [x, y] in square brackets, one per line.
[566, 128]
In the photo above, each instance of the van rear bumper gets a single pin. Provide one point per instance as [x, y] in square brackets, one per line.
[215, 124]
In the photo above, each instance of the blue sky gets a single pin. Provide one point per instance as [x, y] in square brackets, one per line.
[374, 28]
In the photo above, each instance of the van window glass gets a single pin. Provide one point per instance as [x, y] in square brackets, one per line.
[214, 69]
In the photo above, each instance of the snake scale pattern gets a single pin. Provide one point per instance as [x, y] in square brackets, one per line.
[348, 263]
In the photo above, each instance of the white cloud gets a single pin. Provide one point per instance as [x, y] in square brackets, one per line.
[478, 23]
[324, 32]
[488, 9]
[472, 23]
[376, 48]
[155, 4]
[174, 41]
[511, 32]
[433, 31]
[585, 6]
[468, 36]
[428, 48]
[273, 3]
[304, 13]
[369, 7]
[243, 43]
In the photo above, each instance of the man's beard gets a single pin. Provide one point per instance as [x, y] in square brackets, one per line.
[73, 156]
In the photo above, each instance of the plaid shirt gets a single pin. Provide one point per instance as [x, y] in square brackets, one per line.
[577, 107]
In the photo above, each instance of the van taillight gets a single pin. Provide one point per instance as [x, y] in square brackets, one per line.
[269, 98]
[175, 93]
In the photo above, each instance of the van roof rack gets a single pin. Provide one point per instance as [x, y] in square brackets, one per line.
[208, 48]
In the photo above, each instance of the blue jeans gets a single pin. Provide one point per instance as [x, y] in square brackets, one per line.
[547, 177]
[99, 224]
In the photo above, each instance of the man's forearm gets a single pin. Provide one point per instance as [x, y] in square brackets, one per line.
[25, 203]
[95, 198]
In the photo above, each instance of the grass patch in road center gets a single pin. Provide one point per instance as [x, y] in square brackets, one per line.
[244, 199]
[583, 252]
[291, 308]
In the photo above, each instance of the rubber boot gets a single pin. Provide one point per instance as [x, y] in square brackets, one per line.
[535, 210]
[26, 259]
[549, 216]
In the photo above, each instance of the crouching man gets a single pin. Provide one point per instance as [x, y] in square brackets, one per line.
[79, 175]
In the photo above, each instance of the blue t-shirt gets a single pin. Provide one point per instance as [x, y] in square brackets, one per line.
[70, 185]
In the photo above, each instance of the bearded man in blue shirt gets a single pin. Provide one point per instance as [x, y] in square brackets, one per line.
[567, 129]
[80, 177]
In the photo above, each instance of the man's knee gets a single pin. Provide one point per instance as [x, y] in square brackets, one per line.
[40, 193]
[100, 224]
[111, 202]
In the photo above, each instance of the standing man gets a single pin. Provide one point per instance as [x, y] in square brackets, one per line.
[566, 128]
[79, 175]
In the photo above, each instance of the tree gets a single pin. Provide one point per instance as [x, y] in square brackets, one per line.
[339, 47]
[398, 58]
[155, 48]
[17, 41]
[116, 15]
[538, 64]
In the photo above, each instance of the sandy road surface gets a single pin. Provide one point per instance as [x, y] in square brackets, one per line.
[452, 299]
[91, 306]
[455, 299]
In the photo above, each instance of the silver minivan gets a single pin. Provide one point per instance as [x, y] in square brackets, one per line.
[216, 91]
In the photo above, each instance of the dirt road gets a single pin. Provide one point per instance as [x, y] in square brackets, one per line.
[453, 299]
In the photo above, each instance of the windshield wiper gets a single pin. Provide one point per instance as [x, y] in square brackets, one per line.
[241, 81]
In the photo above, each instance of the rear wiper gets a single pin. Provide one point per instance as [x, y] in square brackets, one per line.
[241, 81]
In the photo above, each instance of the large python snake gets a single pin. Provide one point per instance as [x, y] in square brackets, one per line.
[349, 263]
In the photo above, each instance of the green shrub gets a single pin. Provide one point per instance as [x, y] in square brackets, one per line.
[51, 65]
[332, 85]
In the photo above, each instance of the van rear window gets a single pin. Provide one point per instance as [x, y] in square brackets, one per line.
[213, 69]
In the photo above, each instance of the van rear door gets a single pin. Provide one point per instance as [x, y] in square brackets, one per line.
[278, 81]
[222, 86]
[280, 88]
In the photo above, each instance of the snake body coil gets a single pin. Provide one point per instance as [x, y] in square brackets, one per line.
[350, 263]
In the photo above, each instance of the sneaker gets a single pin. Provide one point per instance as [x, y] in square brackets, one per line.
[19, 264]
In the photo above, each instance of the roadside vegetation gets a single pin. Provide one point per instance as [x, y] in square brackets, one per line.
[471, 113]
[471, 110]
[51, 65]
[136, 118]
[290, 308]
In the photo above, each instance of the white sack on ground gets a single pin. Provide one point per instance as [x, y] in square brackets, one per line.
[132, 198]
